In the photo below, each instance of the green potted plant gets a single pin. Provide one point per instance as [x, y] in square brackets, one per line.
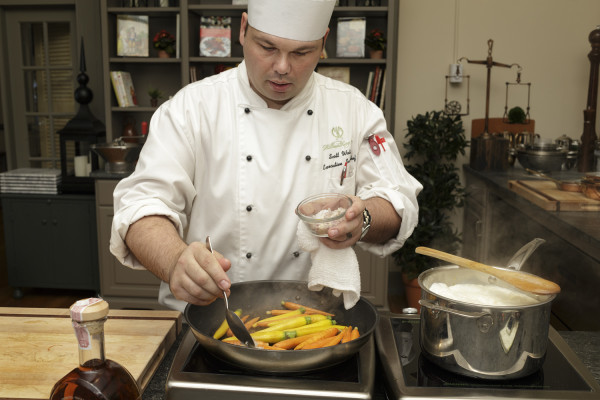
[435, 140]
[516, 115]
[164, 42]
[154, 94]
[376, 41]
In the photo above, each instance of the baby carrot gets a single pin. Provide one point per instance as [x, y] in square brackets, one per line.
[355, 334]
[347, 334]
[266, 321]
[293, 342]
[278, 312]
[326, 333]
[295, 306]
[330, 341]
[251, 322]
[222, 330]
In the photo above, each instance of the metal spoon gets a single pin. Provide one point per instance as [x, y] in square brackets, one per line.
[519, 279]
[517, 260]
[235, 323]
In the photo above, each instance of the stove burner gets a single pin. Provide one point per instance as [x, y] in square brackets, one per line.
[203, 361]
[196, 373]
[408, 371]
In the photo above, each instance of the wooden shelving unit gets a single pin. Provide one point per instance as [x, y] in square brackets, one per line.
[170, 74]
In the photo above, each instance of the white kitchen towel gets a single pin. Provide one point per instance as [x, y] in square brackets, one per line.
[333, 268]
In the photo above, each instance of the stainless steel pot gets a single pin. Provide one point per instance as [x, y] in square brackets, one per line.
[478, 340]
[254, 298]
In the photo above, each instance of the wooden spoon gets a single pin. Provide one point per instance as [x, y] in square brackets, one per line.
[519, 279]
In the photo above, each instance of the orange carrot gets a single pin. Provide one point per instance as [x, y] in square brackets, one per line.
[251, 322]
[293, 342]
[278, 312]
[347, 334]
[327, 333]
[295, 306]
[355, 334]
[229, 332]
[330, 341]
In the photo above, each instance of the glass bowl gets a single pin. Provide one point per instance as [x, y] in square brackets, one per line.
[322, 211]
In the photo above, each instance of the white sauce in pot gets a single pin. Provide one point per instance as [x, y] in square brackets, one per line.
[491, 295]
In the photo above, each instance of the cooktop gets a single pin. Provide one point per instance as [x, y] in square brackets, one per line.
[410, 375]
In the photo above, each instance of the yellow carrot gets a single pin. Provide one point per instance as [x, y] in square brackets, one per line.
[287, 324]
[316, 327]
[296, 322]
[266, 321]
[221, 330]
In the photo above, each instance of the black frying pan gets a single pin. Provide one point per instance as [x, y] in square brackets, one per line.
[254, 298]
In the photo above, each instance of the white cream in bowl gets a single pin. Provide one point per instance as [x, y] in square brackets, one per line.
[491, 295]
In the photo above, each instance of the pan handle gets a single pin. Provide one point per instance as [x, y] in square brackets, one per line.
[466, 314]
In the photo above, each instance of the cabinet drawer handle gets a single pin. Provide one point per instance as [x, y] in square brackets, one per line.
[479, 228]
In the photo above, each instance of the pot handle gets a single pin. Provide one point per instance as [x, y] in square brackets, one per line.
[466, 314]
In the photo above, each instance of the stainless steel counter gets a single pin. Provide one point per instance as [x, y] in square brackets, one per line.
[498, 221]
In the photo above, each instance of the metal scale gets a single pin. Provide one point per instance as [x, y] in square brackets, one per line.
[489, 151]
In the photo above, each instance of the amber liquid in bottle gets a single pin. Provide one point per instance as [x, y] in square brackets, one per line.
[96, 377]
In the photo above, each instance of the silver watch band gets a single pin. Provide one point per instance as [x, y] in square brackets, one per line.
[366, 223]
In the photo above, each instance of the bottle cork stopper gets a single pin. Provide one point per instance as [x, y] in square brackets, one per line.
[89, 310]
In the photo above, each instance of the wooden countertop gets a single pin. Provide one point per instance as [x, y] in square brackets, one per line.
[39, 346]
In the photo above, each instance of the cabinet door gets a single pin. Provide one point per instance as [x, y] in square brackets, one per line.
[50, 242]
[116, 278]
[373, 277]
[74, 252]
[28, 248]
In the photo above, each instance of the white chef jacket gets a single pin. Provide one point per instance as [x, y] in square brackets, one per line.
[219, 162]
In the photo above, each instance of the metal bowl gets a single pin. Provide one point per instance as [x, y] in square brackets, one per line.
[254, 298]
[120, 157]
[542, 161]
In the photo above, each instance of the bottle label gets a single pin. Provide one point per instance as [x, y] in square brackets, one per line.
[83, 336]
[80, 305]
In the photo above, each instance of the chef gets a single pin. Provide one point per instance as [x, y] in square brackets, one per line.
[232, 155]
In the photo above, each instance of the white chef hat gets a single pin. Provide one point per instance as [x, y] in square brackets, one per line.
[303, 20]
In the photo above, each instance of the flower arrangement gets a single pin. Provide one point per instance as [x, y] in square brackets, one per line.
[375, 39]
[163, 40]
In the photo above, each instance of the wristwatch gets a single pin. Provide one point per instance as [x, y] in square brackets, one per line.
[366, 223]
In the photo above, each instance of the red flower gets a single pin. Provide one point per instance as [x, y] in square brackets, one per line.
[163, 40]
[375, 40]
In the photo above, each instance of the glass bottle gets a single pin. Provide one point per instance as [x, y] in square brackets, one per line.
[96, 377]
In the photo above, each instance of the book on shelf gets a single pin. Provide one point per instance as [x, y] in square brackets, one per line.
[123, 87]
[177, 36]
[369, 84]
[382, 95]
[377, 86]
[375, 90]
[132, 35]
[350, 40]
[339, 73]
[193, 73]
[215, 36]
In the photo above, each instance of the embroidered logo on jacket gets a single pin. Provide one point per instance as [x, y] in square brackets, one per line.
[338, 133]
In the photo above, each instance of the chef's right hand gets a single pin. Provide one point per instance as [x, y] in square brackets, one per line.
[199, 276]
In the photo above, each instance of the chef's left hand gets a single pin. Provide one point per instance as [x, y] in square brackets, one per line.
[347, 232]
